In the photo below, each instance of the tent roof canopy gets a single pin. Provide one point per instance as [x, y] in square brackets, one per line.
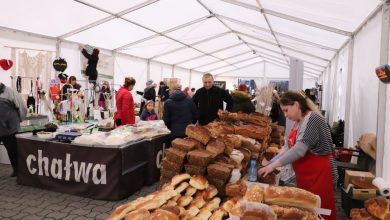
[214, 36]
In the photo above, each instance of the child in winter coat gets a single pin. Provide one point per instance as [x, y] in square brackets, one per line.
[148, 113]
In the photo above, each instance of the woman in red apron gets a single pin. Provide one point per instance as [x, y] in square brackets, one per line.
[309, 150]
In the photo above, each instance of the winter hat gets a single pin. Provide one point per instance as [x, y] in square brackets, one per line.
[6, 64]
[63, 77]
[149, 82]
[243, 88]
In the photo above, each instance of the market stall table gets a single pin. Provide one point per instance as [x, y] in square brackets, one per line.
[98, 172]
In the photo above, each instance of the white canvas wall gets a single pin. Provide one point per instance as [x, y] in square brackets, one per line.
[364, 88]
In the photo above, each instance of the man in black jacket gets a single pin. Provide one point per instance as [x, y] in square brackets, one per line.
[209, 99]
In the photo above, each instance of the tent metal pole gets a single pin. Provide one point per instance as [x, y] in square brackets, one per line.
[382, 97]
[277, 33]
[103, 20]
[58, 48]
[290, 18]
[286, 47]
[233, 31]
[148, 70]
[255, 45]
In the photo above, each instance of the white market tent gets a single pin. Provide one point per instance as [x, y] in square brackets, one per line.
[339, 41]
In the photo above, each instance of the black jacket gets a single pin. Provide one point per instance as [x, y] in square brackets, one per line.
[210, 101]
[179, 111]
[91, 70]
[163, 92]
[150, 93]
[242, 102]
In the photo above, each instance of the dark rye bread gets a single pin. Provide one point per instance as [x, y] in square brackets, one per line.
[174, 154]
[219, 184]
[216, 147]
[169, 165]
[198, 133]
[218, 171]
[199, 157]
[166, 173]
[194, 170]
[183, 144]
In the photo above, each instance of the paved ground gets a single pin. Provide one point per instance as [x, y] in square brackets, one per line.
[23, 202]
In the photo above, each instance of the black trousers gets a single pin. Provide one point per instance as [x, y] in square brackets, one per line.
[10, 145]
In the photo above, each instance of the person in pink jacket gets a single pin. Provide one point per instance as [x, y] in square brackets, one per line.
[125, 104]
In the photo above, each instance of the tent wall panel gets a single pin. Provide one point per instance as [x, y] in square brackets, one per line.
[364, 87]
[183, 75]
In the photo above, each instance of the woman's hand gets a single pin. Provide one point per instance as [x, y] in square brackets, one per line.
[81, 47]
[269, 168]
[265, 170]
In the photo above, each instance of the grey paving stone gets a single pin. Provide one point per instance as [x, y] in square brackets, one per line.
[10, 206]
[102, 216]
[7, 213]
[101, 209]
[20, 208]
[55, 207]
[89, 207]
[67, 209]
[32, 210]
[77, 204]
[70, 217]
[97, 202]
[44, 204]
[44, 212]
[93, 214]
[83, 218]
[57, 215]
[20, 215]
[80, 212]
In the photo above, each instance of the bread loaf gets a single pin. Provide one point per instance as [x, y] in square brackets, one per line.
[198, 202]
[174, 209]
[219, 184]
[190, 191]
[247, 153]
[198, 145]
[191, 212]
[161, 214]
[203, 214]
[219, 172]
[270, 152]
[167, 174]
[198, 133]
[216, 147]
[259, 119]
[254, 193]
[194, 170]
[269, 179]
[230, 166]
[170, 165]
[199, 182]
[236, 189]
[174, 154]
[253, 210]
[140, 214]
[291, 196]
[183, 144]
[183, 186]
[377, 206]
[252, 131]
[184, 201]
[210, 192]
[180, 178]
[213, 204]
[285, 212]
[228, 205]
[199, 157]
[220, 214]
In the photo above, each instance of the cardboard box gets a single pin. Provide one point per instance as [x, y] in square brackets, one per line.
[351, 174]
[363, 194]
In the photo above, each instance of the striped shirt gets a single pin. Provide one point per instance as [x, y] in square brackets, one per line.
[313, 136]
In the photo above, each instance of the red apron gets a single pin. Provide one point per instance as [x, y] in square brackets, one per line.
[314, 174]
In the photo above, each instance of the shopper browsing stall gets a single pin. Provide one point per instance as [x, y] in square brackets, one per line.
[149, 94]
[13, 111]
[309, 149]
[242, 100]
[148, 113]
[209, 99]
[69, 87]
[179, 111]
[105, 93]
[125, 103]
